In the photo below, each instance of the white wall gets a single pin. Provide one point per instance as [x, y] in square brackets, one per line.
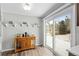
[0, 35]
[10, 32]
[77, 27]
[77, 34]
[0, 29]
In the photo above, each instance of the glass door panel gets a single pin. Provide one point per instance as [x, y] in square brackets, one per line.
[62, 35]
[49, 34]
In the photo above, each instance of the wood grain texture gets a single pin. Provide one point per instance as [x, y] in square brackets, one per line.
[38, 51]
[22, 43]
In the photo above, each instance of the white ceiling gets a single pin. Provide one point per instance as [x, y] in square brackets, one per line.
[38, 9]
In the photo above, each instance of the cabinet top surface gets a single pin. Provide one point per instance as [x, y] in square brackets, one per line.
[28, 37]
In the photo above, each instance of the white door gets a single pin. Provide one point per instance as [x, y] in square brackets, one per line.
[49, 28]
[62, 34]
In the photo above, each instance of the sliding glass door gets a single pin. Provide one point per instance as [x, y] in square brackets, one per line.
[49, 34]
[58, 33]
[62, 35]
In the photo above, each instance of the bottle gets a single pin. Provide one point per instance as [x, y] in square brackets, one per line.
[22, 35]
[25, 34]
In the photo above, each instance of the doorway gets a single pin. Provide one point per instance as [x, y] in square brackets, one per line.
[58, 33]
[62, 34]
[49, 34]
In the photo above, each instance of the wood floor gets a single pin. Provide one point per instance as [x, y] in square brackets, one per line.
[38, 51]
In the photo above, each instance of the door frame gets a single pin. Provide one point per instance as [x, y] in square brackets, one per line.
[52, 37]
[73, 24]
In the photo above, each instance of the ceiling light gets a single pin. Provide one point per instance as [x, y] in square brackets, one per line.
[27, 6]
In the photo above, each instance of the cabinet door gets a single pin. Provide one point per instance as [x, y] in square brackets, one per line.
[23, 42]
[26, 44]
[19, 43]
[29, 43]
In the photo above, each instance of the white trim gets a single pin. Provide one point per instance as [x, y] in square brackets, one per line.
[7, 50]
[73, 25]
[44, 35]
[39, 44]
[14, 48]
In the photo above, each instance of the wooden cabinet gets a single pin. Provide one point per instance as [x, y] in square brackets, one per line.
[22, 43]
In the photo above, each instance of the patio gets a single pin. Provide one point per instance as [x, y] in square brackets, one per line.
[61, 43]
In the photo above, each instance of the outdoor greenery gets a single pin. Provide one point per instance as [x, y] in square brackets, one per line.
[62, 27]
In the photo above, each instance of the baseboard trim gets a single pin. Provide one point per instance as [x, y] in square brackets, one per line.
[39, 44]
[7, 50]
[14, 48]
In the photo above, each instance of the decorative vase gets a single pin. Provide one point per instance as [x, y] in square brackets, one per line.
[25, 34]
